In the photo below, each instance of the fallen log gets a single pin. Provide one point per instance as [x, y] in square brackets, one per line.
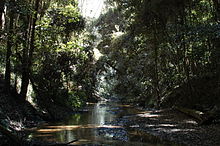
[210, 116]
[197, 115]
[202, 118]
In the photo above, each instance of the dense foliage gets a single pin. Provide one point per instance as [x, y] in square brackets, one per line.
[160, 52]
[161, 47]
[43, 45]
[150, 53]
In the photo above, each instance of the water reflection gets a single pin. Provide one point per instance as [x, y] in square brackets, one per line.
[100, 115]
[79, 126]
[83, 127]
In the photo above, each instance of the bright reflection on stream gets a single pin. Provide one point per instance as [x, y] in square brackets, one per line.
[85, 127]
[81, 127]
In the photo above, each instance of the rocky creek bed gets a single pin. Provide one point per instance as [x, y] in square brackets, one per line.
[170, 126]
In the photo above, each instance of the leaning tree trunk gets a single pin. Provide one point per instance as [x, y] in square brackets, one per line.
[27, 59]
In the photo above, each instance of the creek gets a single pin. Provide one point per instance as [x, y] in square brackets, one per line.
[97, 124]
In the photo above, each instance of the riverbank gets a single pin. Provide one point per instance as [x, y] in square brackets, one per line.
[138, 126]
[131, 126]
[16, 115]
[171, 125]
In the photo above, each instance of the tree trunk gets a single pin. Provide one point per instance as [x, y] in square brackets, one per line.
[184, 54]
[217, 10]
[9, 50]
[24, 79]
[156, 77]
[27, 58]
[2, 6]
[216, 50]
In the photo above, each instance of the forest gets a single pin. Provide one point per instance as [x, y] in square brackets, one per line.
[144, 72]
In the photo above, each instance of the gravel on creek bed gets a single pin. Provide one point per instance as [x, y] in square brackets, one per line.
[166, 125]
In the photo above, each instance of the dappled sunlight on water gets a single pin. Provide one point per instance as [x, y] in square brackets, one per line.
[85, 127]
[79, 126]
[43, 135]
[172, 130]
[190, 122]
[72, 127]
[167, 125]
[148, 115]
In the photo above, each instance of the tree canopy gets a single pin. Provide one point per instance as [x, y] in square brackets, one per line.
[158, 49]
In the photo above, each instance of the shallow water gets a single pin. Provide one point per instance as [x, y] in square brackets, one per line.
[94, 127]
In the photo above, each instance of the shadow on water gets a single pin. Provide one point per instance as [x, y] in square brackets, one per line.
[94, 127]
